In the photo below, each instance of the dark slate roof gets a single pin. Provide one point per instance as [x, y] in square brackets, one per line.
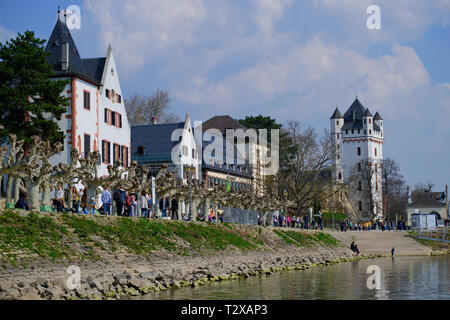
[88, 69]
[353, 117]
[432, 199]
[367, 113]
[337, 114]
[377, 117]
[155, 139]
[221, 123]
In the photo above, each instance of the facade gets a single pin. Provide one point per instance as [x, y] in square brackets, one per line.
[425, 203]
[254, 167]
[96, 118]
[156, 145]
[358, 159]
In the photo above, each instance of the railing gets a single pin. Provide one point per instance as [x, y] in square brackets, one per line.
[439, 233]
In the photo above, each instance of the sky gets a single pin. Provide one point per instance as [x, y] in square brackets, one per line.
[291, 60]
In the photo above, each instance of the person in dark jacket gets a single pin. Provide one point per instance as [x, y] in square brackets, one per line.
[120, 197]
[22, 203]
[174, 208]
[164, 206]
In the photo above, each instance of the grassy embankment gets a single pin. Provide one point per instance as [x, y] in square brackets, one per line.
[74, 237]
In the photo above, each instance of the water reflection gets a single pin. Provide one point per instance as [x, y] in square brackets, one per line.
[401, 278]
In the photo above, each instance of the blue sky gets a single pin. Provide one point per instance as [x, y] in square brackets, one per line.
[284, 58]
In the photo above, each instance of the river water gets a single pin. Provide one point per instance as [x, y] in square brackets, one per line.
[401, 278]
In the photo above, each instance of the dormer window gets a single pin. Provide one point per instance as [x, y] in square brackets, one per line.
[113, 96]
[112, 71]
[107, 93]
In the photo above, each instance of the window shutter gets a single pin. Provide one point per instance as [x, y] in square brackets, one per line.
[120, 120]
[106, 115]
[103, 152]
[109, 152]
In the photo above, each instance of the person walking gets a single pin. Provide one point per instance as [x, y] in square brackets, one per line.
[174, 208]
[150, 205]
[107, 201]
[59, 199]
[143, 202]
[79, 196]
[120, 197]
[163, 206]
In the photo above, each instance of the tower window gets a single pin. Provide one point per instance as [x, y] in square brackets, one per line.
[87, 100]
[365, 131]
[337, 122]
[370, 120]
[359, 151]
[346, 131]
[359, 131]
[340, 176]
[375, 152]
[359, 186]
[360, 205]
[364, 121]
[359, 166]
[353, 131]
[370, 131]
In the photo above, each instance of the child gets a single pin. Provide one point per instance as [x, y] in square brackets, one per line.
[92, 205]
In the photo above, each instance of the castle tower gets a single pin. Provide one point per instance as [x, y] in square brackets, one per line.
[336, 122]
[361, 157]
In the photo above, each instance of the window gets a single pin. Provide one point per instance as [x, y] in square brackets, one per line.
[365, 131]
[359, 151]
[108, 152]
[106, 115]
[338, 146]
[126, 157]
[113, 118]
[338, 136]
[359, 186]
[375, 152]
[365, 121]
[103, 151]
[370, 131]
[185, 151]
[359, 131]
[87, 100]
[360, 205]
[340, 176]
[87, 145]
[107, 93]
[113, 96]
[359, 166]
[353, 131]
[370, 120]
[346, 131]
[376, 167]
[193, 153]
[120, 120]
[119, 98]
[338, 156]
[381, 124]
[114, 152]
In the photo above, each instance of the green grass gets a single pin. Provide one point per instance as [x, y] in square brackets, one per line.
[31, 234]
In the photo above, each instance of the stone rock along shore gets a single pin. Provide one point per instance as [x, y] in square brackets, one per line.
[134, 276]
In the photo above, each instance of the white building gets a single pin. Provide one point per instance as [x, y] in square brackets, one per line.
[96, 118]
[358, 140]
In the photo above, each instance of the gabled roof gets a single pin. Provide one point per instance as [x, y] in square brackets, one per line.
[337, 114]
[222, 123]
[89, 69]
[377, 117]
[155, 140]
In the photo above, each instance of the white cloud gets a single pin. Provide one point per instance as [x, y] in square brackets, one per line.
[141, 29]
[6, 34]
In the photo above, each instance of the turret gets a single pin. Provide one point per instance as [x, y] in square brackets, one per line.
[336, 122]
[368, 122]
[378, 121]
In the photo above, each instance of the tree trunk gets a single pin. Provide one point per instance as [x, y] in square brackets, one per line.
[8, 188]
[33, 193]
[17, 183]
[46, 195]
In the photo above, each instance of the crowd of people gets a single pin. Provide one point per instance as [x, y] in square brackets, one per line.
[368, 226]
[299, 221]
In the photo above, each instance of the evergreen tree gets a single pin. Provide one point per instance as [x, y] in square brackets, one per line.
[30, 101]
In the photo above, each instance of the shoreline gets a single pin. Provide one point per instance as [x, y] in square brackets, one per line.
[117, 282]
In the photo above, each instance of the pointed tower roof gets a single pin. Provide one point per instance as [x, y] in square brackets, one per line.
[367, 113]
[88, 69]
[337, 114]
[377, 117]
[354, 112]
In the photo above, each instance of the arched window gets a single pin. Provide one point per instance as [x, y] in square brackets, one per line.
[340, 176]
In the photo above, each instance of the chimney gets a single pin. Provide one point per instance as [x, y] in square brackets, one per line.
[154, 120]
[65, 57]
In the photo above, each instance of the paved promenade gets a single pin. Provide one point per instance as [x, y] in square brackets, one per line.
[379, 242]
